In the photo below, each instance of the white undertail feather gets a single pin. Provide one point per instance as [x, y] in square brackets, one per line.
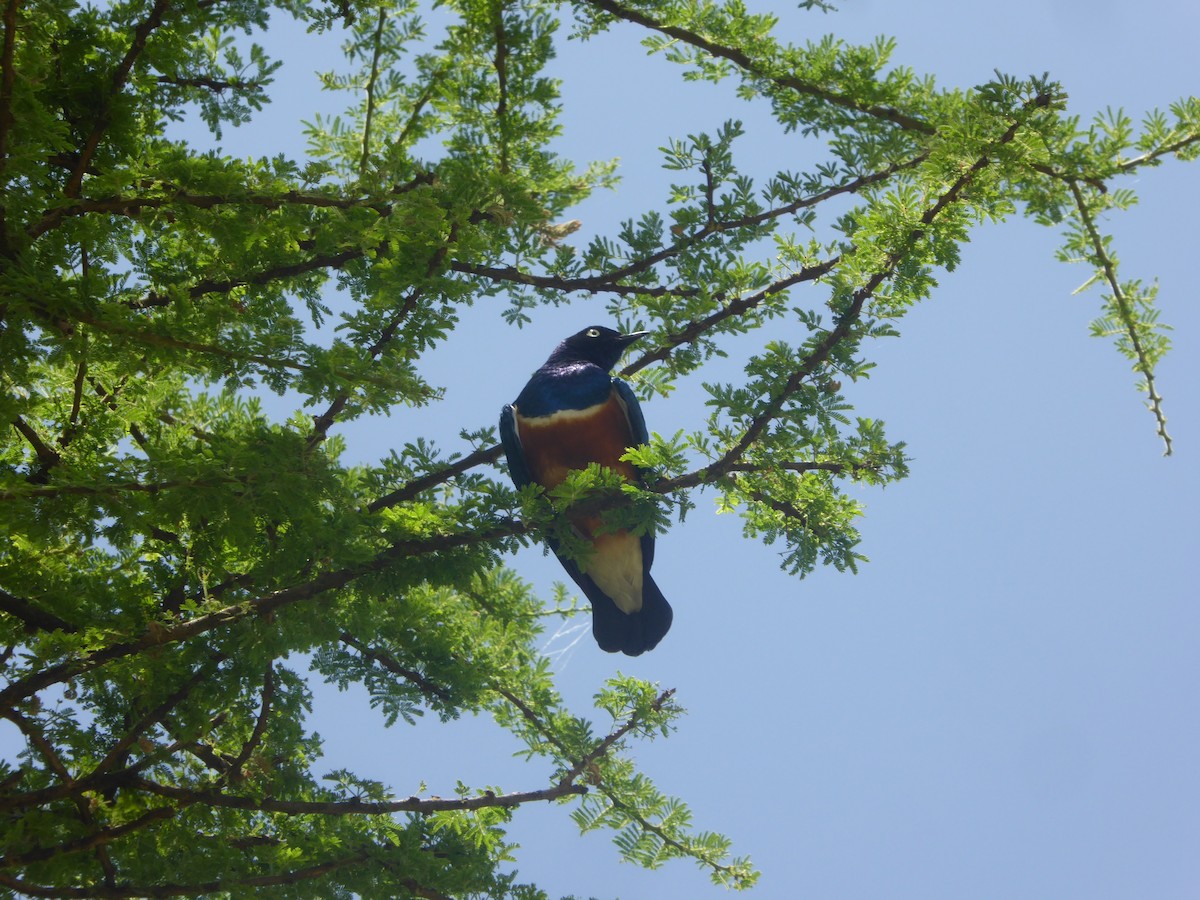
[616, 567]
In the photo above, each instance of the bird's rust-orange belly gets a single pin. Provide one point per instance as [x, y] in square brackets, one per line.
[559, 443]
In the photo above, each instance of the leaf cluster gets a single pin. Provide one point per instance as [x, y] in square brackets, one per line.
[180, 564]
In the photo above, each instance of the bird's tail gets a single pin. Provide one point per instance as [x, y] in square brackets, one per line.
[631, 633]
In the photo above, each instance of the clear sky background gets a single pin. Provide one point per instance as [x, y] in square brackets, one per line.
[1004, 701]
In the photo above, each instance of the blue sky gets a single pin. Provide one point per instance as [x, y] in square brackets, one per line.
[1004, 701]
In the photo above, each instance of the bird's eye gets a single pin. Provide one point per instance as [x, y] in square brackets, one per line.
[593, 332]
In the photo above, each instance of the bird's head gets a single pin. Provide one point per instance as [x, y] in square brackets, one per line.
[595, 344]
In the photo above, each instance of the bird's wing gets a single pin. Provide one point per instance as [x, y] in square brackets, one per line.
[637, 427]
[517, 468]
[633, 411]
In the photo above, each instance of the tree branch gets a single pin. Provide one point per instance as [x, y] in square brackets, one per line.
[421, 805]
[120, 487]
[1166, 150]
[7, 80]
[698, 327]
[234, 773]
[370, 114]
[385, 661]
[131, 206]
[47, 456]
[500, 64]
[119, 751]
[38, 741]
[121, 891]
[120, 76]
[323, 422]
[109, 399]
[606, 744]
[88, 841]
[155, 339]
[850, 187]
[216, 85]
[55, 764]
[837, 468]
[414, 116]
[433, 479]
[34, 617]
[263, 276]
[69, 430]
[159, 635]
[1106, 264]
[746, 63]
[607, 282]
[585, 764]
[845, 323]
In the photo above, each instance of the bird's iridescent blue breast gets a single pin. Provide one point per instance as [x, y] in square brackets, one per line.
[554, 389]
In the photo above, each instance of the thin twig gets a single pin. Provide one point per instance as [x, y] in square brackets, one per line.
[433, 479]
[1108, 267]
[263, 276]
[606, 744]
[1165, 150]
[72, 426]
[699, 327]
[234, 773]
[385, 661]
[371, 81]
[156, 339]
[323, 422]
[606, 282]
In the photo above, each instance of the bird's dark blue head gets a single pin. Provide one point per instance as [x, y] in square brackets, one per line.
[596, 344]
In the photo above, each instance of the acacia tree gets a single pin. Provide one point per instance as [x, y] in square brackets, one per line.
[170, 549]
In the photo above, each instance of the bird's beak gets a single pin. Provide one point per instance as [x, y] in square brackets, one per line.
[627, 339]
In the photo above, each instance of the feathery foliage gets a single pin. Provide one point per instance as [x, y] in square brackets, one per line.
[177, 564]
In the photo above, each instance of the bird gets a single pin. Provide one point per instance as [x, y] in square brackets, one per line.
[571, 413]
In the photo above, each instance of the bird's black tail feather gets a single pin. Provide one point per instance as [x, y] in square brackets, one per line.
[630, 633]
